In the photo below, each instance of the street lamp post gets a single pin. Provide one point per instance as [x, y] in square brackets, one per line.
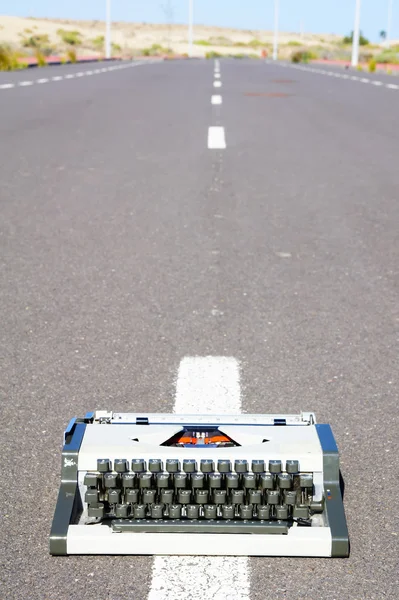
[190, 26]
[356, 35]
[275, 40]
[108, 30]
[389, 25]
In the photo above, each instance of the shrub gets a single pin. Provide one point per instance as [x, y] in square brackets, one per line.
[71, 55]
[202, 43]
[41, 59]
[365, 57]
[303, 56]
[387, 57]
[98, 42]
[213, 54]
[48, 51]
[36, 41]
[116, 47]
[220, 41]
[372, 65]
[72, 38]
[9, 60]
[254, 43]
[155, 50]
[294, 43]
[359, 68]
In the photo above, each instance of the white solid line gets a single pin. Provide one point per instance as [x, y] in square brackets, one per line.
[25, 83]
[216, 138]
[209, 385]
[7, 86]
[44, 80]
[217, 84]
[216, 100]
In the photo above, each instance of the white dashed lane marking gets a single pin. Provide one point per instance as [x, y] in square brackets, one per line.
[217, 84]
[216, 99]
[206, 385]
[9, 86]
[366, 80]
[216, 138]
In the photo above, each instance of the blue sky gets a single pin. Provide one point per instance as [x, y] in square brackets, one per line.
[324, 16]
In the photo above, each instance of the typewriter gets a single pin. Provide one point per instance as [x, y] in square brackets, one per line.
[252, 485]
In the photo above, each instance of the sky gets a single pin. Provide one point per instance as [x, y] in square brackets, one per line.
[316, 16]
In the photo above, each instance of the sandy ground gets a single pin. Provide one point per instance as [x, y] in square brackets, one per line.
[136, 36]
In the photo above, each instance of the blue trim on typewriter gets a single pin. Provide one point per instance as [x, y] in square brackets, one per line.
[326, 438]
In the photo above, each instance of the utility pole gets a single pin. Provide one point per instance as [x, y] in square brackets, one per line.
[356, 35]
[275, 41]
[108, 30]
[190, 26]
[389, 25]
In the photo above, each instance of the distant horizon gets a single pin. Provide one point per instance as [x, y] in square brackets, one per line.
[334, 17]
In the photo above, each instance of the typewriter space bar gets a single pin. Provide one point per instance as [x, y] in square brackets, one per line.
[200, 526]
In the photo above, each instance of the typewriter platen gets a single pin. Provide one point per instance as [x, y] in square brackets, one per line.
[255, 485]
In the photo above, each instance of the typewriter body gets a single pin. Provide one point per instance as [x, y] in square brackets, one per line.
[253, 485]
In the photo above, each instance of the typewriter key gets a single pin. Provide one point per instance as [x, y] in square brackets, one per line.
[263, 512]
[228, 511]
[192, 511]
[103, 465]
[282, 512]
[210, 511]
[120, 465]
[275, 466]
[121, 511]
[258, 466]
[138, 465]
[155, 465]
[175, 511]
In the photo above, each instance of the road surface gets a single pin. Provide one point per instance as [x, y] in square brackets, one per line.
[128, 245]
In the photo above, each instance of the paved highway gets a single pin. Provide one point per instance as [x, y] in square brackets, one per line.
[128, 245]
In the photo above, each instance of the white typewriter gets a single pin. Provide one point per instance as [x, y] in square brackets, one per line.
[253, 485]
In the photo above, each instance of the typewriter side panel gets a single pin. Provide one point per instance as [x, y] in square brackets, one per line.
[69, 502]
[333, 498]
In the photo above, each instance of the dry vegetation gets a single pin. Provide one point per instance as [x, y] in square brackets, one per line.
[42, 37]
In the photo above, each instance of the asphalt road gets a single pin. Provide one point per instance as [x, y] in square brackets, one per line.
[126, 244]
